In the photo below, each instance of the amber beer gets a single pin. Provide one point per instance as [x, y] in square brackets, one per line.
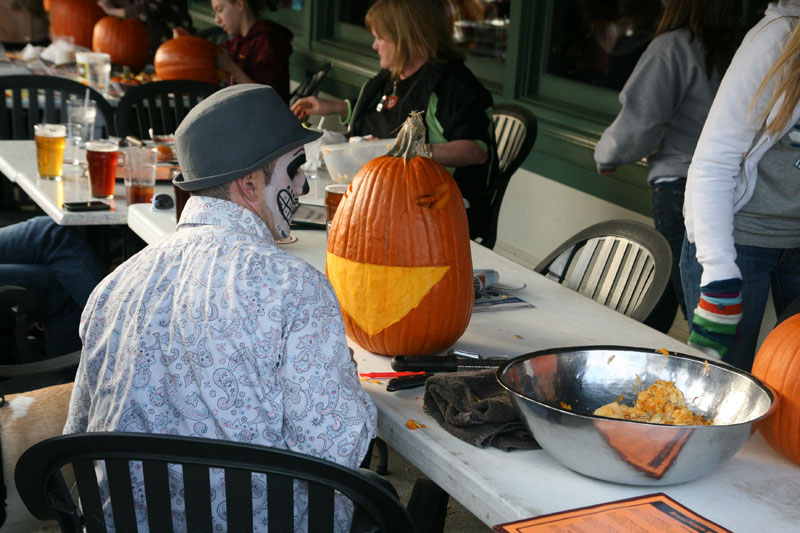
[137, 194]
[334, 193]
[102, 157]
[50, 141]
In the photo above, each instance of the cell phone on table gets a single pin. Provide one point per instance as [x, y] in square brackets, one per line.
[88, 205]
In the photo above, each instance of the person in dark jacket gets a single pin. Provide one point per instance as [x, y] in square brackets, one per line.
[421, 68]
[259, 50]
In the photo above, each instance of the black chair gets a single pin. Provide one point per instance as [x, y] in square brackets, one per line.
[310, 85]
[17, 121]
[622, 264]
[23, 365]
[515, 129]
[159, 106]
[39, 482]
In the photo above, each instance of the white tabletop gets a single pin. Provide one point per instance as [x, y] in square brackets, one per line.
[18, 163]
[756, 490]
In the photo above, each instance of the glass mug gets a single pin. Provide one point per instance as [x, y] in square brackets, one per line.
[84, 113]
[101, 158]
[334, 192]
[50, 141]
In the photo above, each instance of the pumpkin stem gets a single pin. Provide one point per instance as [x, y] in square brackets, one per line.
[411, 139]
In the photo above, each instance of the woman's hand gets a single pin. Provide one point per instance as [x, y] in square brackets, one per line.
[312, 105]
[110, 9]
[224, 61]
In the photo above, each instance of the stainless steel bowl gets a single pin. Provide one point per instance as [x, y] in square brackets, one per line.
[624, 451]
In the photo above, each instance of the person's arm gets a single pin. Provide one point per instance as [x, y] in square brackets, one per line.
[649, 99]
[458, 153]
[226, 64]
[323, 399]
[313, 105]
[108, 7]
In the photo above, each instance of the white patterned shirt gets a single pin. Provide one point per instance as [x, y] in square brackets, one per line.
[215, 332]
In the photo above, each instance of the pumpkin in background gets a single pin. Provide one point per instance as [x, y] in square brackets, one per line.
[778, 365]
[187, 58]
[399, 252]
[124, 39]
[46, 5]
[75, 18]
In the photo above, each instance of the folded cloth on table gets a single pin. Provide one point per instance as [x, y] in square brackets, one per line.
[474, 407]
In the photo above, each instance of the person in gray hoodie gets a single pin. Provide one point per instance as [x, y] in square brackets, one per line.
[664, 105]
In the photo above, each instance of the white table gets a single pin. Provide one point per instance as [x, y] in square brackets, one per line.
[757, 490]
[18, 163]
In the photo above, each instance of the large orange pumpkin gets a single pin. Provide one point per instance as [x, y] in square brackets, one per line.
[187, 58]
[399, 254]
[75, 18]
[124, 39]
[778, 365]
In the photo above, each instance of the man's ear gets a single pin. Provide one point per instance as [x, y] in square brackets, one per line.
[247, 186]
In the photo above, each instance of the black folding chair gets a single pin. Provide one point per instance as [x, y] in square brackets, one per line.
[158, 106]
[310, 86]
[41, 487]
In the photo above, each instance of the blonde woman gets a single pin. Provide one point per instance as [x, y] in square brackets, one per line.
[743, 193]
[421, 68]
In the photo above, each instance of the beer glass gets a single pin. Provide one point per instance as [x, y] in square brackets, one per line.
[50, 141]
[334, 193]
[102, 157]
[140, 174]
[83, 112]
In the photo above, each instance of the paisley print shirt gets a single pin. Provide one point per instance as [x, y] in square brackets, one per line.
[215, 332]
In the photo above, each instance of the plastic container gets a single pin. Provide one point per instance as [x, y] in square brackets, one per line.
[345, 160]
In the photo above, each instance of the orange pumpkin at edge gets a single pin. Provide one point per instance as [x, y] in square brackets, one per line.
[777, 364]
[187, 58]
[124, 39]
[399, 253]
[74, 18]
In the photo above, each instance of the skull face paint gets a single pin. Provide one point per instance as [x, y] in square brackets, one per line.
[287, 184]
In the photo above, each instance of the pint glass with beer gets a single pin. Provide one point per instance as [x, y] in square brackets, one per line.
[102, 157]
[50, 140]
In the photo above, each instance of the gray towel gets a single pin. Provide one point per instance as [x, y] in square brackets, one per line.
[474, 407]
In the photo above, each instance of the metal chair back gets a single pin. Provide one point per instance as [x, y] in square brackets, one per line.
[622, 264]
[310, 85]
[42, 490]
[158, 106]
[515, 129]
[19, 112]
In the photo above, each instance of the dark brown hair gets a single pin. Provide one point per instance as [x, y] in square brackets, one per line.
[717, 24]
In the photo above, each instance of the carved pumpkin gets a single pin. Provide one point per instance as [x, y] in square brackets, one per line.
[778, 365]
[187, 58]
[75, 18]
[125, 40]
[399, 254]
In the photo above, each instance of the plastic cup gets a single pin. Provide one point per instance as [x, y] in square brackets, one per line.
[50, 141]
[140, 174]
[102, 158]
[83, 113]
[334, 193]
[72, 148]
[94, 68]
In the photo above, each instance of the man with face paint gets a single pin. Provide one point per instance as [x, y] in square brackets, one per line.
[214, 332]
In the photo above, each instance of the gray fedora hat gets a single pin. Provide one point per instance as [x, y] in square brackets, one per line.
[234, 132]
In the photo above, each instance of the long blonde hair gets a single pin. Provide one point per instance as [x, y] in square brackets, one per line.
[786, 73]
[418, 29]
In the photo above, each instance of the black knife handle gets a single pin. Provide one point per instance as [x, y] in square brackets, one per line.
[425, 363]
[407, 382]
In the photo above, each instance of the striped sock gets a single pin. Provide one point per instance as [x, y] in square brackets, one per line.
[717, 316]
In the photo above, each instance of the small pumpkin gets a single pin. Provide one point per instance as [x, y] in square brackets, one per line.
[399, 252]
[124, 39]
[187, 58]
[75, 18]
[777, 364]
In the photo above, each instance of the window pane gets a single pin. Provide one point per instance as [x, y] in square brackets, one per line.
[294, 5]
[599, 41]
[481, 26]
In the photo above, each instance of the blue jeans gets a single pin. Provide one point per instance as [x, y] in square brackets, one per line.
[60, 267]
[762, 269]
